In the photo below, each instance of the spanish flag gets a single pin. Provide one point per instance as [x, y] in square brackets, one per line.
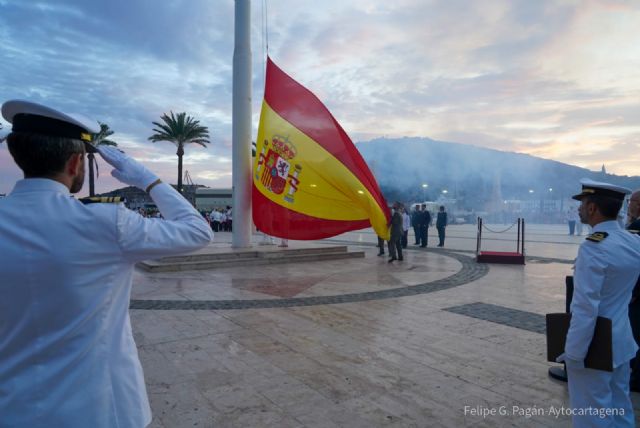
[309, 180]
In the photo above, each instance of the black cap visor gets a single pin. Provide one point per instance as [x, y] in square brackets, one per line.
[52, 127]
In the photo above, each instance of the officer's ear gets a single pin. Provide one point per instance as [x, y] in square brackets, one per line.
[75, 164]
[590, 206]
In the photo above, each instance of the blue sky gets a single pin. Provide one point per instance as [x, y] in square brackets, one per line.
[552, 78]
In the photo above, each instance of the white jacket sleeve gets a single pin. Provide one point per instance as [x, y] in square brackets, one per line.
[183, 230]
[588, 279]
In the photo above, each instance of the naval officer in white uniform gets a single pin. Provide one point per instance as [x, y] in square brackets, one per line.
[606, 271]
[67, 354]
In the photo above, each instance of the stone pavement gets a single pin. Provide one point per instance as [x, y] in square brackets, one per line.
[435, 340]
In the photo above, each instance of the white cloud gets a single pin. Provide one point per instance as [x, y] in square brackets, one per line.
[554, 79]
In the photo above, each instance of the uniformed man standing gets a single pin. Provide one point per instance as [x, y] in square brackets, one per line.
[634, 212]
[395, 239]
[425, 221]
[634, 307]
[606, 271]
[441, 225]
[406, 223]
[415, 223]
[67, 354]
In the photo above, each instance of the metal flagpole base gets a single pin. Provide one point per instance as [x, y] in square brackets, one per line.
[558, 373]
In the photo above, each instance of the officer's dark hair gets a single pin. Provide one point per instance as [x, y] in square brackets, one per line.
[41, 155]
[609, 207]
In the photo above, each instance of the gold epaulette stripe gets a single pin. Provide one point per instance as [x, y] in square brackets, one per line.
[597, 236]
[102, 200]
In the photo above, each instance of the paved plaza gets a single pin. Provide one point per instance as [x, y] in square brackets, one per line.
[434, 340]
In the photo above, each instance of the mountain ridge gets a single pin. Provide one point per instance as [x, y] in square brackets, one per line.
[472, 174]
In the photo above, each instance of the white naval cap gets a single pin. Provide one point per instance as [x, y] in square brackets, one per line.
[590, 188]
[26, 116]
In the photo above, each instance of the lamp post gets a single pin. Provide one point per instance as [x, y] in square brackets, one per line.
[424, 189]
[552, 206]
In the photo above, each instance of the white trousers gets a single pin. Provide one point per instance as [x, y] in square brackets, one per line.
[600, 391]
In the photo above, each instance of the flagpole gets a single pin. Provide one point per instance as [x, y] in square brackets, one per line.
[241, 138]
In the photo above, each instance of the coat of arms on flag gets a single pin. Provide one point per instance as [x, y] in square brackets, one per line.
[274, 168]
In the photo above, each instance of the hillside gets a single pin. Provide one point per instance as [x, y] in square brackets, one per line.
[471, 174]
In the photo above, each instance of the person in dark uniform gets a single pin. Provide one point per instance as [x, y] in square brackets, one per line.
[634, 306]
[425, 221]
[441, 224]
[395, 241]
[415, 223]
[380, 246]
[634, 212]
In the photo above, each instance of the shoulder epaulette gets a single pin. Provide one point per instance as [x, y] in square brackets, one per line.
[597, 236]
[102, 200]
[637, 232]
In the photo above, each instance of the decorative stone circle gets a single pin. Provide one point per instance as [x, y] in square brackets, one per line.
[469, 272]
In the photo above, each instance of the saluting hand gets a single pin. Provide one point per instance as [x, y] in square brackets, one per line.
[127, 169]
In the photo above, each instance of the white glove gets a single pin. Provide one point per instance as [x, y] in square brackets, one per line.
[127, 170]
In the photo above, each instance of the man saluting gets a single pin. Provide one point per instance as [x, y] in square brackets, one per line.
[67, 354]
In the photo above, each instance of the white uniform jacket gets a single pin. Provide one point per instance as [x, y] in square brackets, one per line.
[67, 354]
[605, 274]
[406, 221]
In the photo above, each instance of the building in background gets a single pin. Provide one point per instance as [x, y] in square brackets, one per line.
[208, 199]
[137, 198]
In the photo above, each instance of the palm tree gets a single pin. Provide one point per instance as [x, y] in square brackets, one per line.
[180, 129]
[99, 139]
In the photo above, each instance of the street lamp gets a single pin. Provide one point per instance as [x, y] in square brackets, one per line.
[424, 188]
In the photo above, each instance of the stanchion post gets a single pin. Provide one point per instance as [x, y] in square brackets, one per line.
[523, 237]
[479, 238]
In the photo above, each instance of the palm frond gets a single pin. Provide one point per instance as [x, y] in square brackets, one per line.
[202, 143]
[100, 139]
[107, 143]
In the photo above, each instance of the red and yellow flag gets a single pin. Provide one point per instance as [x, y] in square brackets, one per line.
[309, 180]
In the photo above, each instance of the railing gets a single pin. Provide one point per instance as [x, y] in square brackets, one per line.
[520, 236]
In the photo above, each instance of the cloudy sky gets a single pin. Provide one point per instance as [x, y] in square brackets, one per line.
[553, 78]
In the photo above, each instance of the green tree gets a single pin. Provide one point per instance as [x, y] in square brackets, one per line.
[99, 139]
[180, 129]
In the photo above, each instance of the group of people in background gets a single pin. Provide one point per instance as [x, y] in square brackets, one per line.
[220, 219]
[420, 219]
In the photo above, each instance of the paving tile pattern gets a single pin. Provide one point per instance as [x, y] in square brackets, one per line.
[502, 315]
[470, 271]
[403, 362]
